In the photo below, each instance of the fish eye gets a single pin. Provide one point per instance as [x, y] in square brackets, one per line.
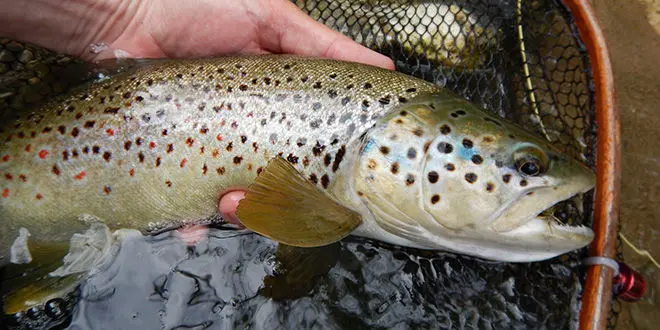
[530, 161]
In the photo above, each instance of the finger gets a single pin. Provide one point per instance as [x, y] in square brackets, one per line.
[300, 34]
[228, 205]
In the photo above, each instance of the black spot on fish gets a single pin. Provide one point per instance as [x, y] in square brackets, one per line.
[499, 163]
[445, 129]
[523, 183]
[477, 159]
[85, 150]
[435, 199]
[75, 131]
[402, 99]
[230, 146]
[47, 129]
[139, 141]
[316, 105]
[170, 148]
[365, 104]
[460, 112]
[445, 147]
[243, 138]
[490, 187]
[325, 180]
[237, 160]
[317, 85]
[313, 178]
[327, 159]
[61, 129]
[139, 98]
[410, 179]
[56, 170]
[157, 161]
[412, 153]
[65, 155]
[317, 150]
[467, 143]
[292, 159]
[506, 178]
[168, 183]
[96, 150]
[107, 155]
[349, 86]
[471, 177]
[418, 131]
[141, 157]
[339, 156]
[433, 177]
[107, 190]
[384, 150]
[220, 170]
[111, 110]
[345, 100]
[384, 100]
[332, 93]
[450, 167]
[255, 147]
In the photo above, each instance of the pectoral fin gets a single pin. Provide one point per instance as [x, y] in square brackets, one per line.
[284, 206]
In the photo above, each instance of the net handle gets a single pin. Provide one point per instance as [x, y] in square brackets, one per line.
[597, 295]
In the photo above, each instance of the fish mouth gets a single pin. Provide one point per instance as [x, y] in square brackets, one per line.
[562, 223]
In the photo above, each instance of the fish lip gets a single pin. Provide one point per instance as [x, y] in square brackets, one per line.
[497, 216]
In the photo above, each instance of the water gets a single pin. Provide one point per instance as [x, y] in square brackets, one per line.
[159, 282]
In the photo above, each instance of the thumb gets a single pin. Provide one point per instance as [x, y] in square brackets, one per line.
[300, 34]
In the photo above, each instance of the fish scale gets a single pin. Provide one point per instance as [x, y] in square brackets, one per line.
[153, 147]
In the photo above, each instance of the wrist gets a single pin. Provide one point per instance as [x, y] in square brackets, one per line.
[68, 27]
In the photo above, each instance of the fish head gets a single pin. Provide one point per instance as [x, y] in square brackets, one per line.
[443, 174]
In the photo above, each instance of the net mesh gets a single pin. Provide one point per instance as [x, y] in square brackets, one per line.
[523, 60]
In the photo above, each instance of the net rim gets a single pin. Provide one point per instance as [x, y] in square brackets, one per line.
[597, 295]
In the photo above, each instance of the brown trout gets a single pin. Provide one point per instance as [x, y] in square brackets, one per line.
[326, 148]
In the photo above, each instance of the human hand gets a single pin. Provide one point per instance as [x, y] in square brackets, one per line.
[176, 29]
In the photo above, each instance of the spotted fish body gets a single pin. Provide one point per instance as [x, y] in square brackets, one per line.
[152, 148]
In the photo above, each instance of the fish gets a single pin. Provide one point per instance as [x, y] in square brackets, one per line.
[325, 148]
[446, 35]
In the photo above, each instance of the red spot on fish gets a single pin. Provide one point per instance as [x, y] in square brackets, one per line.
[183, 163]
[39, 196]
[5, 193]
[9, 176]
[131, 172]
[80, 175]
[110, 132]
[250, 114]
[218, 137]
[23, 177]
[5, 158]
[152, 145]
[43, 154]
[28, 148]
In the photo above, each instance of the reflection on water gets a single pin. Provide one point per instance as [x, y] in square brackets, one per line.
[159, 282]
